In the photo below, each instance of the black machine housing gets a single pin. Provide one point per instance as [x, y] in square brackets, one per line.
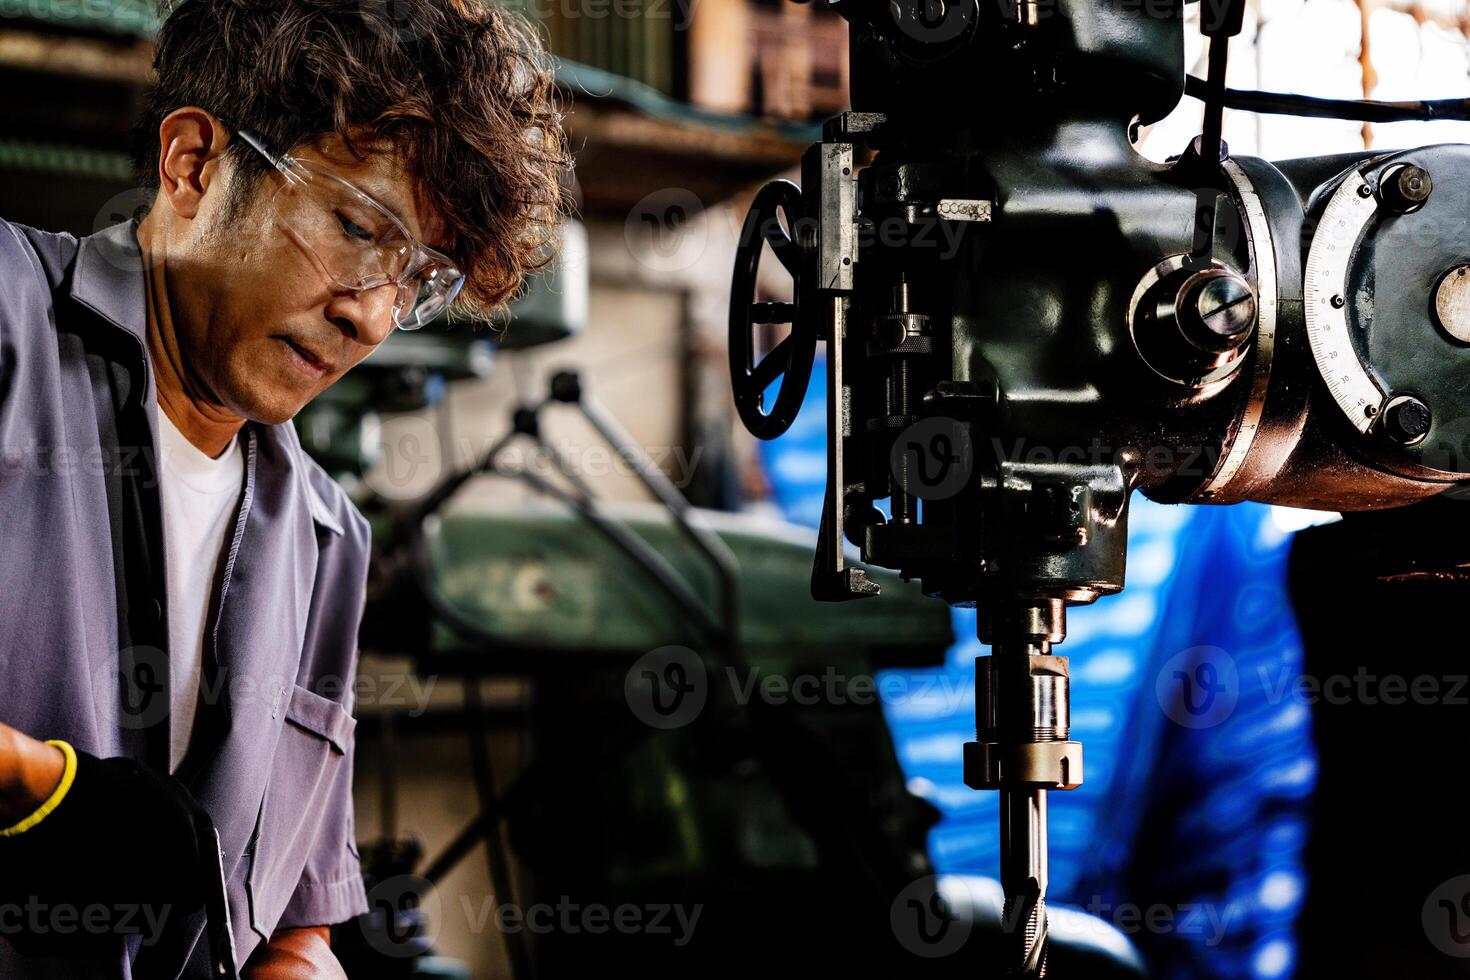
[1021, 330]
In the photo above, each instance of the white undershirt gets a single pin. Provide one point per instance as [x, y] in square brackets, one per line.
[200, 500]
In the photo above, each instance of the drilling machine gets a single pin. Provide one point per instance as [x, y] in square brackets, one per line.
[1025, 321]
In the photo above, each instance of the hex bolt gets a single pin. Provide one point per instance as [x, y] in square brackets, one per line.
[1406, 420]
[1405, 188]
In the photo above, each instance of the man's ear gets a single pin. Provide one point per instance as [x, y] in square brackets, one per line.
[191, 144]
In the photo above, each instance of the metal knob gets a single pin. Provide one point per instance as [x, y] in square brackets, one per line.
[1193, 327]
[1405, 188]
[1219, 310]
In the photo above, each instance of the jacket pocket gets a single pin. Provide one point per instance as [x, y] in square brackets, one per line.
[312, 749]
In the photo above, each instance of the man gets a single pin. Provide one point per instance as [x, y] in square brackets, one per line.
[180, 586]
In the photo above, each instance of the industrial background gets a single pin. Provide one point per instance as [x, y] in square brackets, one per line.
[678, 111]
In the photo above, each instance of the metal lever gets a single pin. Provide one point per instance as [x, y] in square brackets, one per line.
[832, 579]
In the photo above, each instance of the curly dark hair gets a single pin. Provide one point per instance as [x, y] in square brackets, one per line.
[462, 89]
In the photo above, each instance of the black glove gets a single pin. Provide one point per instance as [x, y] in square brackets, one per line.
[121, 850]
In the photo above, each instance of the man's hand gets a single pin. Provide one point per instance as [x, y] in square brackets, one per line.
[295, 954]
[30, 771]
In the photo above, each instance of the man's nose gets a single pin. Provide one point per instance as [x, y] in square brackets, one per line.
[364, 315]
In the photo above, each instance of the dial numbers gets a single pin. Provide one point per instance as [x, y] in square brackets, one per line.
[1326, 298]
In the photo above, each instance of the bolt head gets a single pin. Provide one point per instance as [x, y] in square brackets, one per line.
[1226, 306]
[1406, 188]
[1407, 420]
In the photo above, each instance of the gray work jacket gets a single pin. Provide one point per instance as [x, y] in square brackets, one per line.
[271, 758]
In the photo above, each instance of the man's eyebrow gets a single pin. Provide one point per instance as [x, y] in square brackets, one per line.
[391, 201]
[384, 194]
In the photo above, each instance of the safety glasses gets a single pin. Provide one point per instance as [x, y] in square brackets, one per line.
[358, 243]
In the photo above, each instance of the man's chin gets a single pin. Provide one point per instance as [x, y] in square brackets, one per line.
[271, 408]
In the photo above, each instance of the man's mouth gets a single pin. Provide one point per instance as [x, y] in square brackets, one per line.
[310, 363]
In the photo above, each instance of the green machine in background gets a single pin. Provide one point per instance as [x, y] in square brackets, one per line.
[539, 577]
[666, 766]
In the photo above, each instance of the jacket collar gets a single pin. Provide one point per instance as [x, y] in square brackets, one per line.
[108, 280]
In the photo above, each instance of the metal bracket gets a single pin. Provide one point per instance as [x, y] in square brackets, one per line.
[831, 196]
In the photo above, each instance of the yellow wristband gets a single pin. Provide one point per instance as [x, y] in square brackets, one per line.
[68, 776]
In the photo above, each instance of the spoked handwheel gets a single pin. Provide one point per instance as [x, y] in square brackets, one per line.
[790, 360]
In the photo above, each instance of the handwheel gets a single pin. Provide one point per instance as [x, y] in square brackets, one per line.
[790, 360]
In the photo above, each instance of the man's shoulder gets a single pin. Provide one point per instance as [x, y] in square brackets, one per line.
[32, 262]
